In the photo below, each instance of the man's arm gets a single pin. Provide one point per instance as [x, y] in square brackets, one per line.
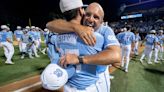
[108, 56]
[9, 40]
[62, 26]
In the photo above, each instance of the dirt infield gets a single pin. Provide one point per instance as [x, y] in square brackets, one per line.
[19, 84]
[33, 84]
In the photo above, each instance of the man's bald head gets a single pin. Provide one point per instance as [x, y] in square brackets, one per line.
[97, 7]
[94, 16]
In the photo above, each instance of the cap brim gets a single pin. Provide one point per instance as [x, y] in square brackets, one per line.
[85, 6]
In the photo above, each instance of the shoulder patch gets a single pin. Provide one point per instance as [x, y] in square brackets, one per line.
[111, 37]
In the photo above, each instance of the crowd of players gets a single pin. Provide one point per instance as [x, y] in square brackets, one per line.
[28, 39]
[130, 39]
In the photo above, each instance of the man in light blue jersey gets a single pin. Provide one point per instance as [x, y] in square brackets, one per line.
[6, 42]
[33, 34]
[10, 34]
[151, 43]
[52, 50]
[38, 38]
[127, 39]
[93, 18]
[160, 36]
[137, 39]
[45, 33]
[26, 42]
[0, 38]
[17, 35]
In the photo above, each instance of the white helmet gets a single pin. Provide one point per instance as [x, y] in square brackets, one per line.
[25, 30]
[32, 27]
[8, 28]
[37, 28]
[45, 29]
[4, 27]
[18, 27]
[161, 31]
[153, 31]
[53, 77]
[27, 27]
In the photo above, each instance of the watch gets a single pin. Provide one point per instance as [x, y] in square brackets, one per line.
[80, 58]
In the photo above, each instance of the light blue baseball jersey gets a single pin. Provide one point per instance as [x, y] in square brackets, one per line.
[32, 35]
[70, 43]
[126, 38]
[25, 38]
[52, 51]
[1, 36]
[4, 36]
[38, 34]
[18, 33]
[10, 33]
[109, 40]
[118, 36]
[137, 37]
[35, 35]
[86, 74]
[45, 34]
[160, 38]
[151, 39]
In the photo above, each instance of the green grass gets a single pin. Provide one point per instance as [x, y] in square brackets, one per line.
[140, 78]
[23, 68]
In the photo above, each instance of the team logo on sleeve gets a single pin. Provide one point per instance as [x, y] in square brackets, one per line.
[111, 37]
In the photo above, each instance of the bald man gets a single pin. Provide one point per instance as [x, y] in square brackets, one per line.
[110, 54]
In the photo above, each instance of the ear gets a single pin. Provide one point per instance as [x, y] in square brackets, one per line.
[81, 11]
[101, 21]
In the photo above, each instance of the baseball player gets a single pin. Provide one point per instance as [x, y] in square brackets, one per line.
[1, 38]
[151, 42]
[38, 38]
[17, 34]
[52, 47]
[26, 44]
[33, 35]
[126, 39]
[45, 34]
[156, 50]
[160, 37]
[137, 39]
[6, 42]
